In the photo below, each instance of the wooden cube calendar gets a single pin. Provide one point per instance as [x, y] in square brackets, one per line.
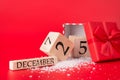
[55, 44]
[80, 46]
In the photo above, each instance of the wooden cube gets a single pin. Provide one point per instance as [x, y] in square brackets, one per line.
[33, 62]
[58, 45]
[80, 46]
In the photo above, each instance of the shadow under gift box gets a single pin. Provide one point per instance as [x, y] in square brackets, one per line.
[103, 40]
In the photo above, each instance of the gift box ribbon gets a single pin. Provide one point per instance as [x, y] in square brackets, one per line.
[110, 38]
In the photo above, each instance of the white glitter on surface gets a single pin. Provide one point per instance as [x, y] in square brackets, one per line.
[93, 68]
[68, 74]
[30, 76]
[67, 64]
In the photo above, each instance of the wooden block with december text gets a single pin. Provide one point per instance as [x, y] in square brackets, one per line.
[55, 44]
[80, 48]
[33, 62]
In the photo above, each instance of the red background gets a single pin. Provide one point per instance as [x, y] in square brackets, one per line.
[25, 23]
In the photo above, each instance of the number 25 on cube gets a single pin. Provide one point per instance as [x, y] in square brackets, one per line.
[55, 44]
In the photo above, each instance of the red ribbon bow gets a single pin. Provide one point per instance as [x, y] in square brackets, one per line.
[109, 37]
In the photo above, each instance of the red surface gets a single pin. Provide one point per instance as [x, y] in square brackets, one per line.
[101, 71]
[104, 40]
[25, 23]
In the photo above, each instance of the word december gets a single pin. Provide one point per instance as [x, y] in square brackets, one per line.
[35, 62]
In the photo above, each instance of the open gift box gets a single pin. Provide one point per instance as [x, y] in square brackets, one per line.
[103, 39]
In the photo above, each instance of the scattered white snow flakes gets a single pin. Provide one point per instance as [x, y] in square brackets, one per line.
[67, 64]
[30, 76]
[68, 74]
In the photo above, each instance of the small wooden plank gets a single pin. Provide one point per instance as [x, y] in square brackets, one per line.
[33, 62]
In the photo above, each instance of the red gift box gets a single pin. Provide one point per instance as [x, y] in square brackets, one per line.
[103, 40]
